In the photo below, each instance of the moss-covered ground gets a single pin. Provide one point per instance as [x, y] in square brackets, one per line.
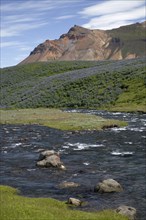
[55, 118]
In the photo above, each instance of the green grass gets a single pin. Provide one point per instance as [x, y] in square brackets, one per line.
[109, 85]
[56, 118]
[16, 207]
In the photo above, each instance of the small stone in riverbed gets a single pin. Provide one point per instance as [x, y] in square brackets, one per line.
[66, 184]
[74, 201]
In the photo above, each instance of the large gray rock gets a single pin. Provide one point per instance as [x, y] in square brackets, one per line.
[47, 153]
[128, 211]
[66, 184]
[107, 186]
[50, 158]
[74, 201]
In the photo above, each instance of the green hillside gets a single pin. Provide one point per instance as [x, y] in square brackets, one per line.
[76, 84]
[131, 39]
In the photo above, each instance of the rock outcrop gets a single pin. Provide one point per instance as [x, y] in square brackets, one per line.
[108, 186]
[85, 44]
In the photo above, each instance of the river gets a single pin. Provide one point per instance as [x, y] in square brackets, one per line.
[90, 156]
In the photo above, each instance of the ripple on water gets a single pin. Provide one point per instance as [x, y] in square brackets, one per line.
[81, 146]
[122, 153]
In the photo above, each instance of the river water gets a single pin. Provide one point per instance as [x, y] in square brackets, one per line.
[90, 156]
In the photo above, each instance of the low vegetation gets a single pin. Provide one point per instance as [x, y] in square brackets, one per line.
[14, 206]
[76, 84]
[57, 119]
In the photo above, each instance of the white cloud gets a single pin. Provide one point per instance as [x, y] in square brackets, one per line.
[17, 29]
[9, 19]
[64, 17]
[112, 14]
[9, 44]
[42, 5]
[21, 46]
[29, 14]
[25, 48]
[111, 6]
[27, 5]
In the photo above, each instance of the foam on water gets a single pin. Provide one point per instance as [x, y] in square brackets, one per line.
[122, 154]
[4, 152]
[15, 145]
[137, 129]
[119, 129]
[86, 163]
[81, 146]
[30, 170]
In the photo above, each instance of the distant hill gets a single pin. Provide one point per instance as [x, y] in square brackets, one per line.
[84, 44]
[75, 84]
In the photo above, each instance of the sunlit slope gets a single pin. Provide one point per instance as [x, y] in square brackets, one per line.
[130, 39]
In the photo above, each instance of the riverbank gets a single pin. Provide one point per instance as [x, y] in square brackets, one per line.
[130, 108]
[14, 206]
[58, 119]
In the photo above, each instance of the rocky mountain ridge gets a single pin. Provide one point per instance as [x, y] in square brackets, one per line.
[84, 44]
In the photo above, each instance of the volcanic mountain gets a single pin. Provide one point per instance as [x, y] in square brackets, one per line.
[84, 44]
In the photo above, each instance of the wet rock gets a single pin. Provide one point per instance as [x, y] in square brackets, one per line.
[108, 185]
[66, 184]
[50, 158]
[74, 201]
[128, 211]
[47, 153]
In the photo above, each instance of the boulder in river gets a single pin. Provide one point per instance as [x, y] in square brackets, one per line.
[66, 184]
[50, 158]
[74, 201]
[48, 153]
[128, 211]
[107, 186]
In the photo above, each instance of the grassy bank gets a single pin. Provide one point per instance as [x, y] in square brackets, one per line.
[16, 207]
[56, 118]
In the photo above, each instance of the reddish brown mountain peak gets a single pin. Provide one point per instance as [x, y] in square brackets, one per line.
[80, 43]
[47, 41]
[78, 29]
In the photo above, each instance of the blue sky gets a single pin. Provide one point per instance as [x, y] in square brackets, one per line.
[27, 23]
